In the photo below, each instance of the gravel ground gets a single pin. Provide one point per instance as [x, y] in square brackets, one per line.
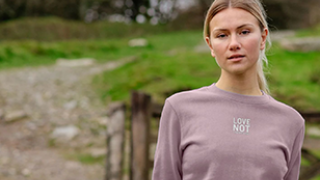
[46, 98]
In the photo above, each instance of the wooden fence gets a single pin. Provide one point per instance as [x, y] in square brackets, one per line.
[142, 111]
[115, 141]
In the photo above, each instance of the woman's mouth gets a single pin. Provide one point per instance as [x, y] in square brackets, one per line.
[236, 57]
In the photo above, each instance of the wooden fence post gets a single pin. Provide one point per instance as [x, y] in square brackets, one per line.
[115, 141]
[140, 132]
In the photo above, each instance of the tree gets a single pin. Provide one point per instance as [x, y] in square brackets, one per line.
[10, 9]
[91, 10]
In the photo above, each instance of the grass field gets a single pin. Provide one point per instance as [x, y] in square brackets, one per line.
[170, 64]
[166, 65]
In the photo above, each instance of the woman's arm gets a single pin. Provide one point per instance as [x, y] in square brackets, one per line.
[168, 156]
[294, 163]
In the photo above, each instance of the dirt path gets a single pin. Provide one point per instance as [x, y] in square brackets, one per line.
[51, 97]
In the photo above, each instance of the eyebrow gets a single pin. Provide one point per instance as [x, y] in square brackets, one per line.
[221, 29]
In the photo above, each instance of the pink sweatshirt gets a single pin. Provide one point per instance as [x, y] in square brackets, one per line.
[212, 134]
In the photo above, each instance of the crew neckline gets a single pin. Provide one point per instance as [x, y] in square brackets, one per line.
[252, 99]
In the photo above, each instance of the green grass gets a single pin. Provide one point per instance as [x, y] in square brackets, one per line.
[169, 64]
[315, 31]
[316, 153]
[166, 65]
[85, 158]
[316, 178]
[305, 162]
[34, 53]
[294, 78]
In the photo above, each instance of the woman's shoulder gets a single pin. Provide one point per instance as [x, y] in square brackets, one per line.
[287, 110]
[188, 96]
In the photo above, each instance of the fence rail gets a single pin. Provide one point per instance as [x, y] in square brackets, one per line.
[311, 116]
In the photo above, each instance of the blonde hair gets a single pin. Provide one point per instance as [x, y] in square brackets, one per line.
[256, 9]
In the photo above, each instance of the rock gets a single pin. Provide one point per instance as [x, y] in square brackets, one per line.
[280, 35]
[14, 116]
[103, 121]
[98, 152]
[71, 165]
[65, 133]
[114, 107]
[39, 99]
[70, 105]
[47, 95]
[4, 161]
[313, 131]
[112, 65]
[85, 102]
[26, 172]
[139, 42]
[301, 44]
[12, 171]
[31, 126]
[75, 62]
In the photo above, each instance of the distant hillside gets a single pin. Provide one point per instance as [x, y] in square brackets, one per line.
[53, 29]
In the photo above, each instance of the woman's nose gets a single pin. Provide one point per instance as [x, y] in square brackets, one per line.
[234, 43]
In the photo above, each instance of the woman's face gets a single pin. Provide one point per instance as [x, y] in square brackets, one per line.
[236, 40]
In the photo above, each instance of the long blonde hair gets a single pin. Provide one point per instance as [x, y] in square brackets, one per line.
[256, 9]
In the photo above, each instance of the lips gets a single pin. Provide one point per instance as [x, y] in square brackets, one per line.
[236, 56]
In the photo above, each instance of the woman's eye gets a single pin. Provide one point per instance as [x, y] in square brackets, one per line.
[245, 32]
[221, 36]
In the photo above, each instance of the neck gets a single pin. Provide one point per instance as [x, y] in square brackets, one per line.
[239, 83]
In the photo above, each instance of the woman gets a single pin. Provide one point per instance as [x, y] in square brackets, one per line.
[232, 129]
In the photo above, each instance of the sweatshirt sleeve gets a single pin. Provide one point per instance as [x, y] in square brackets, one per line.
[167, 161]
[295, 160]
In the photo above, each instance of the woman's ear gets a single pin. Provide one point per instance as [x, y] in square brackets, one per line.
[264, 36]
[210, 46]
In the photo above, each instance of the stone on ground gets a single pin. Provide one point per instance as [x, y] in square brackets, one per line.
[301, 44]
[313, 131]
[75, 62]
[13, 116]
[139, 42]
[66, 133]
